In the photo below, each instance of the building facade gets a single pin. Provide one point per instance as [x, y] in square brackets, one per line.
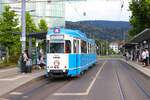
[114, 46]
[53, 11]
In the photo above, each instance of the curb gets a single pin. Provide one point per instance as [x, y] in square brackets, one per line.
[144, 71]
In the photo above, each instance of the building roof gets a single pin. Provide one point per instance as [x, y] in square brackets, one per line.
[38, 35]
[128, 45]
[144, 35]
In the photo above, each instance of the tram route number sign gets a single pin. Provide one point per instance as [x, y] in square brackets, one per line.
[57, 37]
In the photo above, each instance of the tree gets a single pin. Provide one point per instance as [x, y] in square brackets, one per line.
[140, 18]
[102, 47]
[43, 26]
[30, 25]
[8, 28]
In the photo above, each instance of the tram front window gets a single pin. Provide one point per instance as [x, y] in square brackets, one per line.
[56, 47]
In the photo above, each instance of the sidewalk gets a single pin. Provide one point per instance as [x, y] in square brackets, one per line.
[144, 70]
[14, 79]
[8, 72]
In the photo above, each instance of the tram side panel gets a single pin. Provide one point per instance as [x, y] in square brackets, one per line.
[79, 63]
[87, 60]
[73, 67]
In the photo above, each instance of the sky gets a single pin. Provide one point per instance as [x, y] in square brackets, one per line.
[98, 10]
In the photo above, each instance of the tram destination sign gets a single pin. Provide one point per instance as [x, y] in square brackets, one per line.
[57, 37]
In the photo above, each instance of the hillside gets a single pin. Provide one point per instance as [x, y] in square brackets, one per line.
[106, 30]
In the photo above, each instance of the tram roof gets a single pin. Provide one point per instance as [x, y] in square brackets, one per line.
[73, 33]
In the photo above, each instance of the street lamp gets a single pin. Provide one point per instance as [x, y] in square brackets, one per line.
[23, 23]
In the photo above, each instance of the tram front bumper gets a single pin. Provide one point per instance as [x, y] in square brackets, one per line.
[57, 73]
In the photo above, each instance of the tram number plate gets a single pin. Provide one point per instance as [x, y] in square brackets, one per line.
[57, 37]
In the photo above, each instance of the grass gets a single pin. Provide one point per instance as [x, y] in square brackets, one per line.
[110, 56]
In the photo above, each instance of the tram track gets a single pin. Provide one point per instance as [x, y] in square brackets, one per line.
[122, 94]
[30, 91]
[138, 81]
[44, 87]
[118, 81]
[137, 78]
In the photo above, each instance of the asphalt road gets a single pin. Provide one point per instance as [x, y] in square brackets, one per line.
[107, 80]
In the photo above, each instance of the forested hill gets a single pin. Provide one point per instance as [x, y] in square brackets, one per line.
[107, 30]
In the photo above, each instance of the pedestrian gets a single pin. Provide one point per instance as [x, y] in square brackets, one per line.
[144, 57]
[137, 56]
[127, 56]
[41, 59]
[26, 62]
[147, 57]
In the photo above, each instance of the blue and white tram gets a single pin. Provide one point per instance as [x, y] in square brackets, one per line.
[69, 52]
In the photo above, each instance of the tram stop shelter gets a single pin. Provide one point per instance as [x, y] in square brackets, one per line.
[34, 49]
[138, 42]
[142, 39]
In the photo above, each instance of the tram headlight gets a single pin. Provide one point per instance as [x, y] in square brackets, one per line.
[65, 67]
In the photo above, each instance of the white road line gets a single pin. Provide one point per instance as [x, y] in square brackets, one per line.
[16, 93]
[70, 94]
[97, 74]
[88, 89]
[25, 96]
[11, 79]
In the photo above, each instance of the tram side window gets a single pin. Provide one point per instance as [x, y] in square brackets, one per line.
[92, 49]
[76, 46]
[88, 48]
[47, 47]
[67, 46]
[95, 49]
[83, 47]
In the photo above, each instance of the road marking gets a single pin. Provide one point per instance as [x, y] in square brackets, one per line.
[16, 93]
[11, 79]
[87, 90]
[25, 96]
[70, 94]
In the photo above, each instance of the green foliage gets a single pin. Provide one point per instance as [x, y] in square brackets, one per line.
[8, 28]
[103, 47]
[140, 18]
[30, 25]
[43, 26]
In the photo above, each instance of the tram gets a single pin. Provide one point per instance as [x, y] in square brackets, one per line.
[69, 53]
